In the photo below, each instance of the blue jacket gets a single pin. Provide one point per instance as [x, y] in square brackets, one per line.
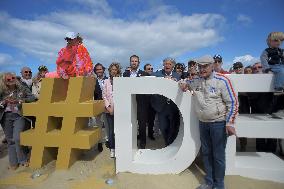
[161, 73]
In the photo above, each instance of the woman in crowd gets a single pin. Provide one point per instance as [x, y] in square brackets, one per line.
[179, 68]
[12, 95]
[114, 71]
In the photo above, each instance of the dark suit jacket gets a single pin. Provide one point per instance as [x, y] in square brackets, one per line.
[143, 100]
[158, 101]
[139, 73]
[98, 91]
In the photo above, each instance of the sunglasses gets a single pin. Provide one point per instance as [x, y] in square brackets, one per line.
[27, 71]
[238, 67]
[257, 67]
[217, 61]
[10, 79]
[149, 68]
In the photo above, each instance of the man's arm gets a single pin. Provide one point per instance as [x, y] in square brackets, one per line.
[60, 65]
[231, 101]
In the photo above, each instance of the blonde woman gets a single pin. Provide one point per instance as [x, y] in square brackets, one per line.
[114, 71]
[12, 95]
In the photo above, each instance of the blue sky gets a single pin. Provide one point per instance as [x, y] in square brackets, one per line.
[32, 32]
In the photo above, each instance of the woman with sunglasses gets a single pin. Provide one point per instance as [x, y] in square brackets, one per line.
[12, 95]
[180, 69]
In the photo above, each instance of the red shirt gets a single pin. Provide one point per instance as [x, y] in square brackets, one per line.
[74, 61]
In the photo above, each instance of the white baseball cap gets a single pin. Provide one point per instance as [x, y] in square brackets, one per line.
[207, 59]
[71, 35]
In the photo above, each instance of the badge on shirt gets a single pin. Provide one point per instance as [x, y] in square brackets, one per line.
[212, 89]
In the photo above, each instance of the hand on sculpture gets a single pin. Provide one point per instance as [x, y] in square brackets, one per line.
[231, 131]
[65, 77]
[183, 86]
[110, 110]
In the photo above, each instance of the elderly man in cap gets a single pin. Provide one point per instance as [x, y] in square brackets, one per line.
[74, 59]
[216, 106]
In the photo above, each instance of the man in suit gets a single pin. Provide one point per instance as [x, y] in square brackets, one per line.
[148, 68]
[168, 113]
[133, 71]
[143, 104]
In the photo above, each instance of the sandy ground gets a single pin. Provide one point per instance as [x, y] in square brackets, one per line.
[95, 168]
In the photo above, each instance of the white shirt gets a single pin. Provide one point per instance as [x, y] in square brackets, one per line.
[133, 74]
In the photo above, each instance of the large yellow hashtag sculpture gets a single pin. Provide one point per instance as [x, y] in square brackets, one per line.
[62, 113]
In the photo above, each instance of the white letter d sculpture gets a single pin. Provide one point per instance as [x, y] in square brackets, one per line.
[171, 159]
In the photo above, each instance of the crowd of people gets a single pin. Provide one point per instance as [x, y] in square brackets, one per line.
[216, 104]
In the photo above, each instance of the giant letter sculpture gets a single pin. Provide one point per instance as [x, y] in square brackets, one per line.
[61, 118]
[172, 159]
[179, 155]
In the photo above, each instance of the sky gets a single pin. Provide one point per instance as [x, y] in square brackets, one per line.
[32, 32]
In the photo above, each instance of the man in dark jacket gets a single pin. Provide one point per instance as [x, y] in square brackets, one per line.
[145, 113]
[99, 70]
[168, 113]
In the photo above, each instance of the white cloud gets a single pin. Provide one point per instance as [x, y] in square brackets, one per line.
[244, 19]
[7, 62]
[100, 6]
[5, 59]
[112, 39]
[246, 59]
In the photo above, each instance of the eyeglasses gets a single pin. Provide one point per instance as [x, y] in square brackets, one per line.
[257, 67]
[149, 68]
[217, 61]
[27, 71]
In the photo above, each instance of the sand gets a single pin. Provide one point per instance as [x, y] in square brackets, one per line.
[94, 168]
